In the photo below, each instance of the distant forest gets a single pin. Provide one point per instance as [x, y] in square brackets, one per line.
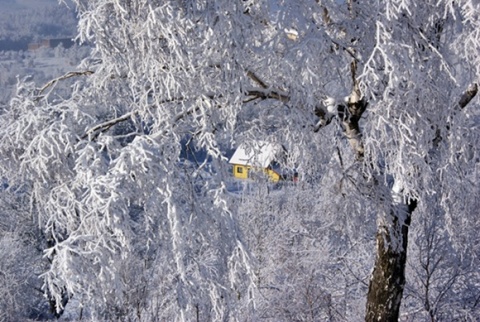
[22, 24]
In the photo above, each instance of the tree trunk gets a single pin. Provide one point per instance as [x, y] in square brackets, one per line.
[388, 278]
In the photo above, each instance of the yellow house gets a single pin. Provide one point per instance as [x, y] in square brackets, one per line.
[257, 157]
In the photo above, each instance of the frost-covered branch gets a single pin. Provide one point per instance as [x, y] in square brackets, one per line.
[266, 94]
[108, 124]
[63, 77]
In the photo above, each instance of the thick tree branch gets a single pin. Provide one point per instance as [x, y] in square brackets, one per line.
[465, 99]
[469, 94]
[351, 127]
[351, 116]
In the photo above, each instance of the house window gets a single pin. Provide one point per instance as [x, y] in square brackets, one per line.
[239, 170]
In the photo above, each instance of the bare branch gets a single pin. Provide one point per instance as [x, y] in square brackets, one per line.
[268, 94]
[256, 79]
[63, 77]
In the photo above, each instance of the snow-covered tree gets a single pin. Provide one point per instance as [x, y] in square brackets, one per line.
[374, 101]
[21, 243]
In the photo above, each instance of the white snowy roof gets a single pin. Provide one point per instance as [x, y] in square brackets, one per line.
[256, 154]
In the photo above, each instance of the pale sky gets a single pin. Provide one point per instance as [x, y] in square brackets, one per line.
[24, 4]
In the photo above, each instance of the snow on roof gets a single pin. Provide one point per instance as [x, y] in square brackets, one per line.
[256, 154]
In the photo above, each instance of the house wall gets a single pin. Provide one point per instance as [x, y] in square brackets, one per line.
[51, 43]
[240, 171]
[272, 175]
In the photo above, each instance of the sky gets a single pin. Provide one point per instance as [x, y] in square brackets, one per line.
[7, 5]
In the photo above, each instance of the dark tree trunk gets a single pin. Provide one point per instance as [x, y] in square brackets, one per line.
[388, 279]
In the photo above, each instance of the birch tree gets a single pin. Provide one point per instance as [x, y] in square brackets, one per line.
[378, 95]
